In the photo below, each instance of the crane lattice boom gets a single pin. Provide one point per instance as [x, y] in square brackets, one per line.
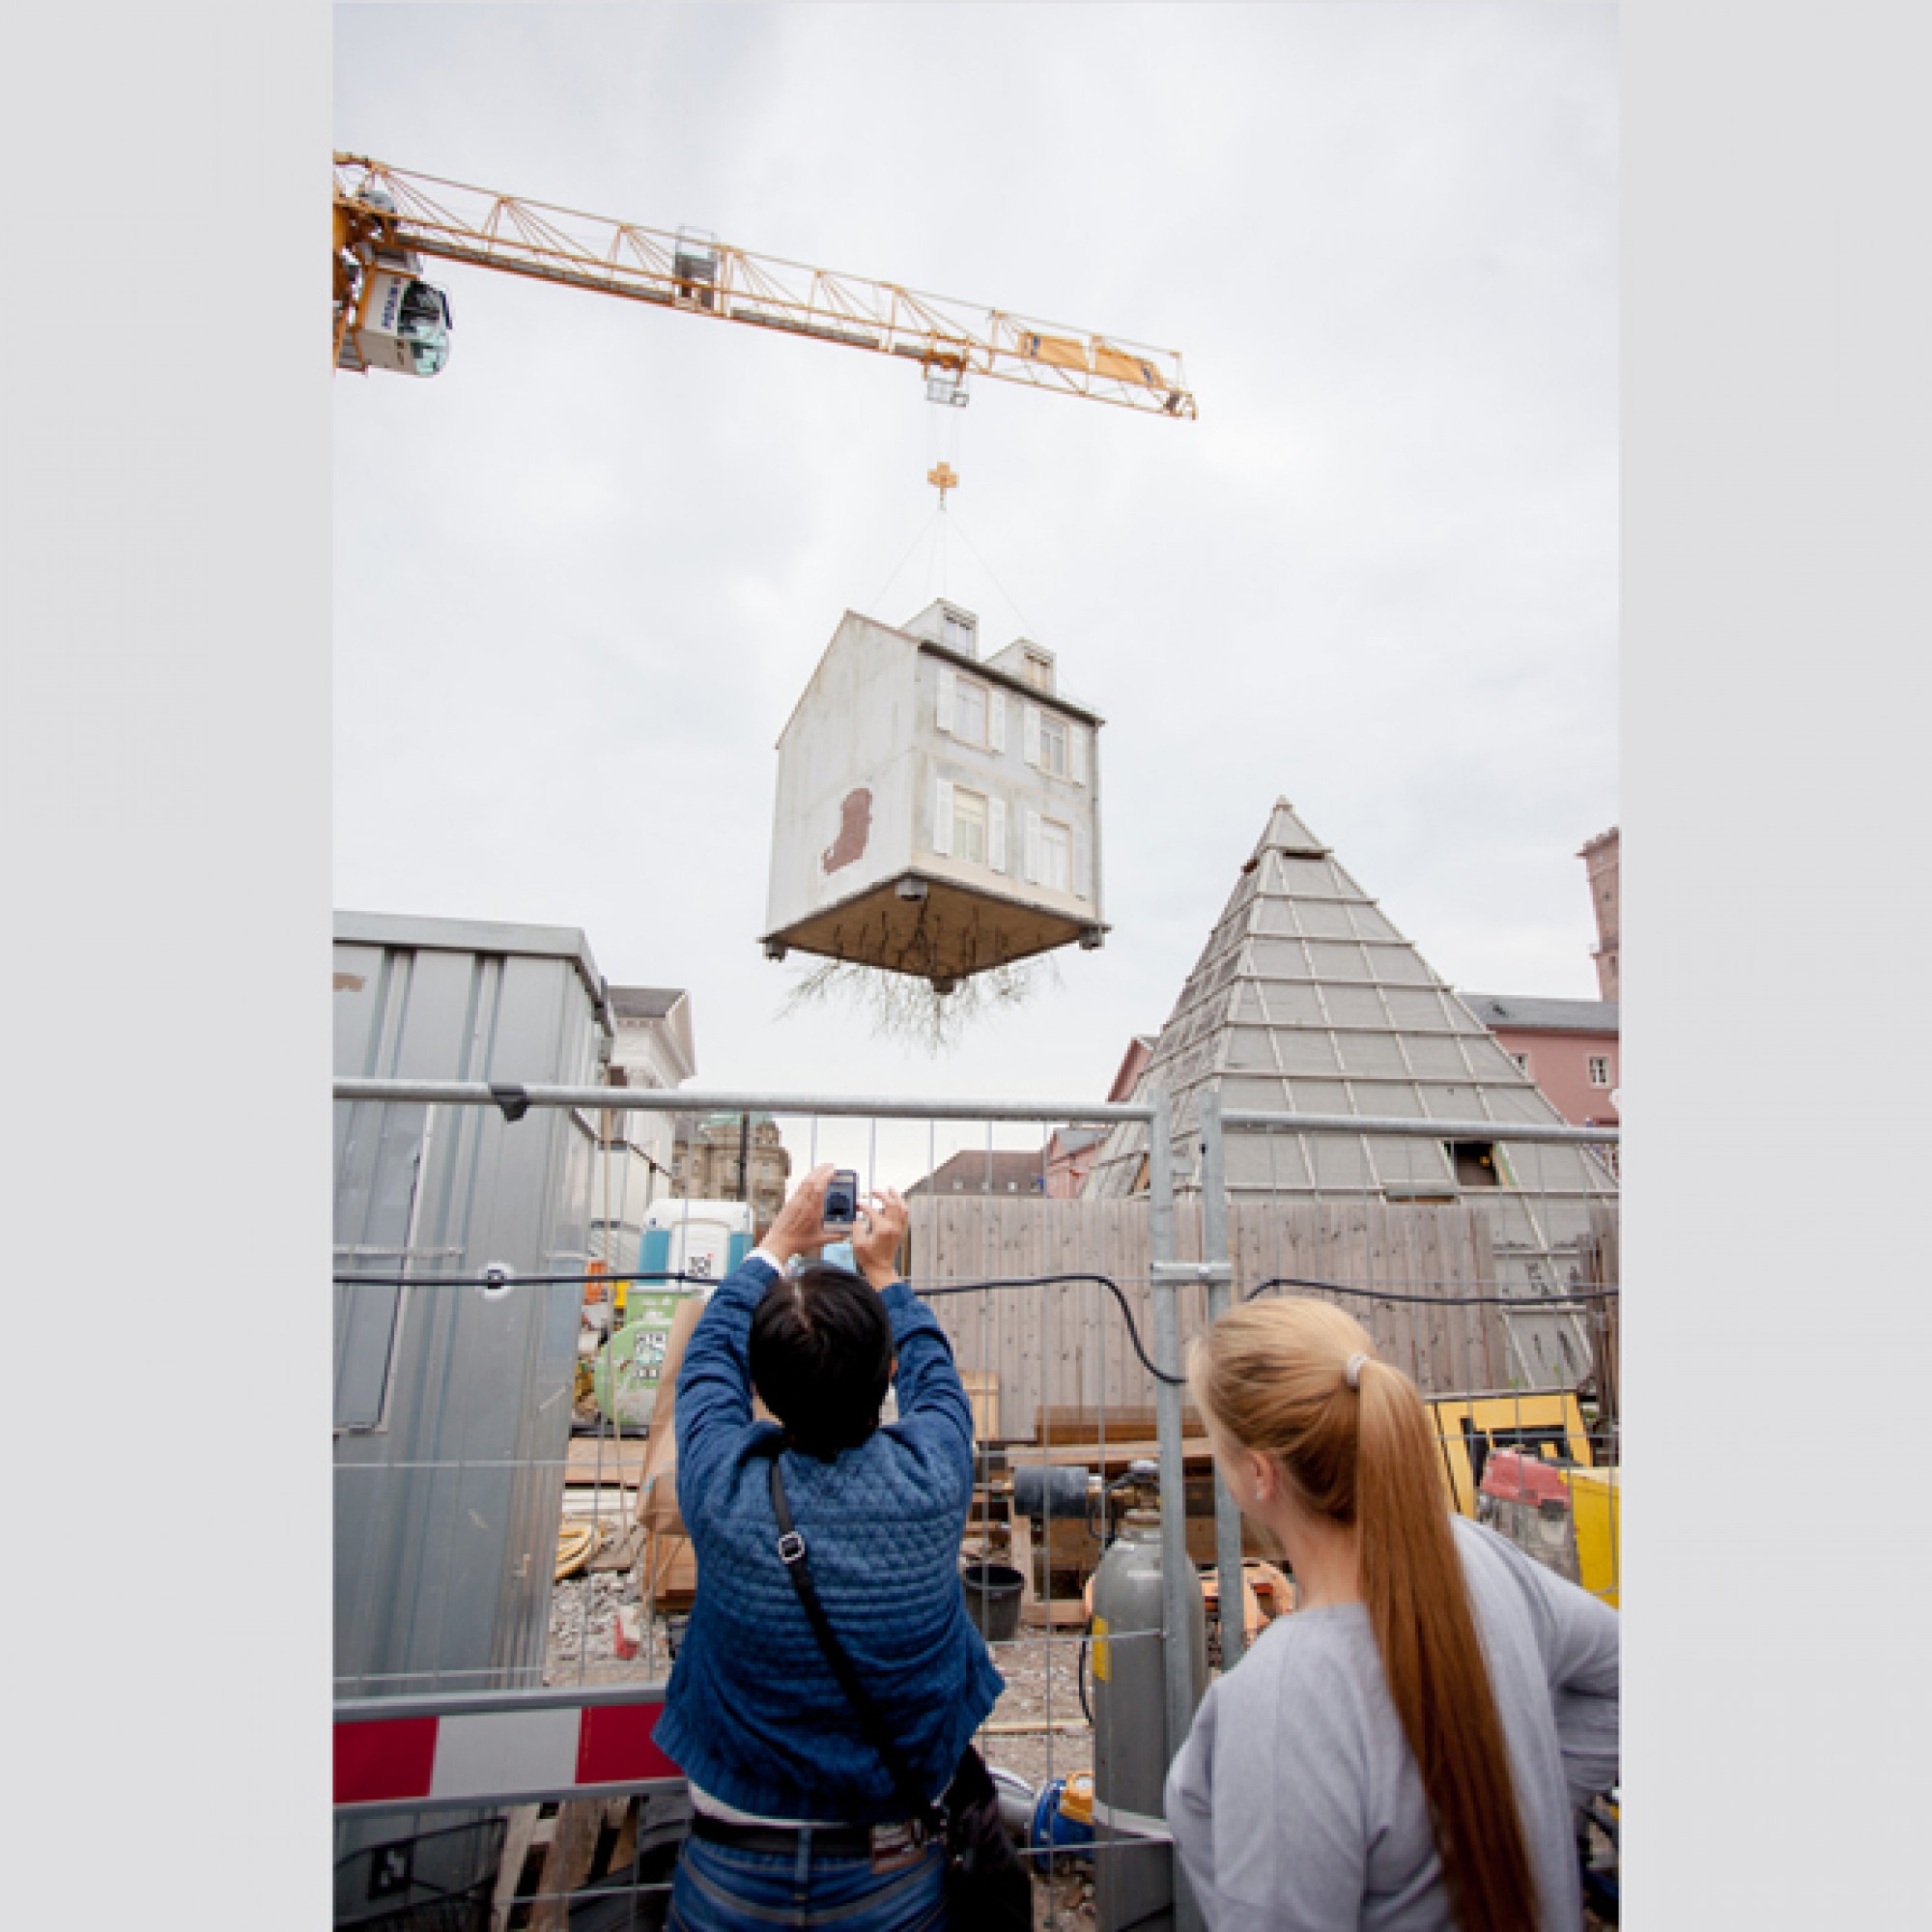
[693, 273]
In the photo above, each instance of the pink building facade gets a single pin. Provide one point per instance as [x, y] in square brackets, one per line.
[1568, 1048]
[1070, 1151]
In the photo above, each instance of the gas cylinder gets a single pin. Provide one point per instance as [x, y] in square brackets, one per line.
[1134, 1883]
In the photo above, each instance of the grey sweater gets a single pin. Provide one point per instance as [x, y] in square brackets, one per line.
[1296, 1806]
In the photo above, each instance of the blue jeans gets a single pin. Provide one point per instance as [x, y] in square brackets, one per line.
[723, 1888]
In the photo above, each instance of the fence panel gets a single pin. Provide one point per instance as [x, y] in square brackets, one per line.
[1501, 1309]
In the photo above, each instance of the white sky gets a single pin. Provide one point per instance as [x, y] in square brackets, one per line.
[582, 575]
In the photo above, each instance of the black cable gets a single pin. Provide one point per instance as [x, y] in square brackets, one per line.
[510, 1280]
[1053, 1280]
[1112, 1287]
[1437, 1300]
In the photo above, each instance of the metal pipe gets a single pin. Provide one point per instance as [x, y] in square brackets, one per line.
[1220, 1286]
[1415, 1129]
[691, 1100]
[1173, 1472]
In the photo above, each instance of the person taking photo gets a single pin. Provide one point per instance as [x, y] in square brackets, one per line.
[798, 1819]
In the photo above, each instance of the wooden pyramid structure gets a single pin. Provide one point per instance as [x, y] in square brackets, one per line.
[1306, 998]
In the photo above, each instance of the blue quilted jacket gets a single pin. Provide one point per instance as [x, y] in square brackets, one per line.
[752, 1713]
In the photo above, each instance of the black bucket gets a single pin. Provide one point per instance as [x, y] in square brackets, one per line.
[993, 1599]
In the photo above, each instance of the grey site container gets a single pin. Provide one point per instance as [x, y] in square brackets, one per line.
[452, 1404]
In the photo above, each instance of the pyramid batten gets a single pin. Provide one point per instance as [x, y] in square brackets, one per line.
[1307, 999]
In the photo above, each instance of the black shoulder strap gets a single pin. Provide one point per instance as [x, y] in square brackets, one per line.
[791, 1552]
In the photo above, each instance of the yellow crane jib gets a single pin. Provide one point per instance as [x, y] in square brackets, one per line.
[388, 223]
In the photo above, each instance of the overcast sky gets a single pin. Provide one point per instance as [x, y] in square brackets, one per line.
[582, 575]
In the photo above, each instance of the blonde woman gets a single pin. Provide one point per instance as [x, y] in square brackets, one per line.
[1402, 1753]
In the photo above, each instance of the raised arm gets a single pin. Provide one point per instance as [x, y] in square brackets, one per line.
[714, 1381]
[714, 1385]
[934, 1412]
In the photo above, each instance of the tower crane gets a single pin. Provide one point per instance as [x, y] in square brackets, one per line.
[387, 223]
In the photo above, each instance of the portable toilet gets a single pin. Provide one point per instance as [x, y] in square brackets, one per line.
[707, 1238]
[937, 813]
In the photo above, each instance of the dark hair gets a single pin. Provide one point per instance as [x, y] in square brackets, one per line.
[821, 1358]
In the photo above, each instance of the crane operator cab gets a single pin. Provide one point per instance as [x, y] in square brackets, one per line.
[399, 321]
[403, 323]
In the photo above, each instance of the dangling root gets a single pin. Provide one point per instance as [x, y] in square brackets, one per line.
[914, 1012]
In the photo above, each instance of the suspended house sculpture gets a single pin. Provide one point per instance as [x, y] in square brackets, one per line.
[1307, 999]
[937, 813]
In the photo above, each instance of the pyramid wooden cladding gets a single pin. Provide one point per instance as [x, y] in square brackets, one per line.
[1065, 1345]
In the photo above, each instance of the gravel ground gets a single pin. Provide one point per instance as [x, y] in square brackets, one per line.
[1034, 1693]
[583, 1651]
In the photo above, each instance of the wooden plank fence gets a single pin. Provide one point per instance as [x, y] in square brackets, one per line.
[1066, 1346]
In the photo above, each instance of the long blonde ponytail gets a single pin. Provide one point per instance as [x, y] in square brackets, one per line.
[1274, 1376]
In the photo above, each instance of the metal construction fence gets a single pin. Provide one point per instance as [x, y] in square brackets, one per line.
[495, 1755]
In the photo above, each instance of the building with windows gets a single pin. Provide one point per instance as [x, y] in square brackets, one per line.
[729, 1158]
[984, 1171]
[1568, 1048]
[937, 812]
[652, 1047]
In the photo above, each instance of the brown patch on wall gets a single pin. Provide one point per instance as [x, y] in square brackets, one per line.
[350, 982]
[855, 827]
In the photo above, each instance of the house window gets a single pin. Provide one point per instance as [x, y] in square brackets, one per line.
[957, 633]
[969, 825]
[1056, 856]
[1600, 1070]
[1039, 672]
[1053, 745]
[969, 712]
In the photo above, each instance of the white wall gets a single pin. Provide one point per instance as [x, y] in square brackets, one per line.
[853, 728]
[870, 718]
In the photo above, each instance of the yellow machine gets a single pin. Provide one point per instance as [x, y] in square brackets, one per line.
[386, 317]
[1549, 1424]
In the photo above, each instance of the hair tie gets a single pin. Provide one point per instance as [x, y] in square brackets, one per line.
[1352, 1373]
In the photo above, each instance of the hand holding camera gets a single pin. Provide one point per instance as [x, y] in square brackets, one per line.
[826, 1206]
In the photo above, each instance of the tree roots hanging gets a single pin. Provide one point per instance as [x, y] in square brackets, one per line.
[914, 1011]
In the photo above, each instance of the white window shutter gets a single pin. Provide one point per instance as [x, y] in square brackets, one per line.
[1076, 752]
[995, 833]
[941, 817]
[1033, 848]
[1032, 715]
[1083, 863]
[949, 691]
[996, 721]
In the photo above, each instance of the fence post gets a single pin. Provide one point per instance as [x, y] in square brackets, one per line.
[1220, 1292]
[1174, 1557]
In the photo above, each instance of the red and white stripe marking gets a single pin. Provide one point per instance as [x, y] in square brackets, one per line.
[555, 1752]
